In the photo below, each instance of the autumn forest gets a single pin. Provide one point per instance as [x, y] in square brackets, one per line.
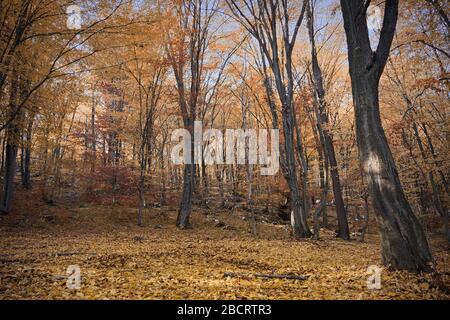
[224, 149]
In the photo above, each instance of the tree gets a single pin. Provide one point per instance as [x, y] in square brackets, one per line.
[267, 22]
[324, 127]
[12, 145]
[35, 48]
[403, 241]
[149, 75]
[187, 44]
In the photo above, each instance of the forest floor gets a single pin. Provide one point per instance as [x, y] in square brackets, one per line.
[119, 260]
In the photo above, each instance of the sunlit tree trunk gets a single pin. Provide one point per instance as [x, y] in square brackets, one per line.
[403, 241]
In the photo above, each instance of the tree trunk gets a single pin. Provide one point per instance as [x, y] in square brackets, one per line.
[185, 209]
[433, 153]
[403, 241]
[141, 184]
[12, 142]
[261, 22]
[323, 172]
[440, 208]
[320, 208]
[404, 245]
[26, 156]
[2, 168]
[301, 229]
[10, 169]
[26, 180]
[249, 167]
[366, 219]
[323, 118]
[186, 197]
[141, 199]
[343, 230]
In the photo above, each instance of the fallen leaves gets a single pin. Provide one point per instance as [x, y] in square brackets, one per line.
[166, 263]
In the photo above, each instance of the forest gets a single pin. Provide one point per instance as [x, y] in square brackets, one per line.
[224, 149]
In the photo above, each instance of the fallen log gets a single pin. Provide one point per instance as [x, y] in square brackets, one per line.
[265, 276]
[66, 254]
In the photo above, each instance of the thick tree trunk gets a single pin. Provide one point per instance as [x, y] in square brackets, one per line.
[403, 241]
[12, 143]
[186, 197]
[10, 170]
[185, 209]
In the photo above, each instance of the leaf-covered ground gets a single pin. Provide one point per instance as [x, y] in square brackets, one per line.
[121, 261]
